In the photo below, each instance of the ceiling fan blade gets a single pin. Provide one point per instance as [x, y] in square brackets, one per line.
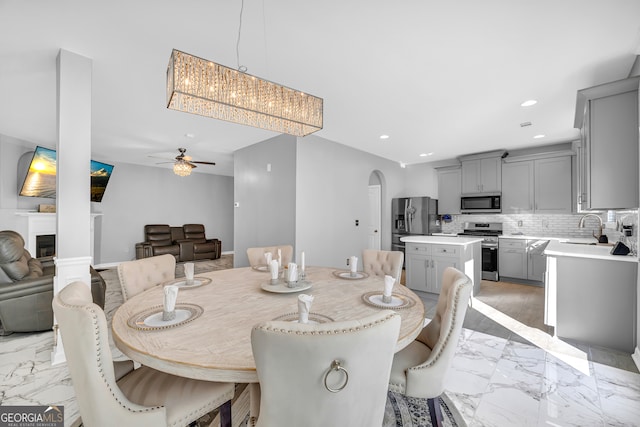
[163, 163]
[191, 164]
[204, 163]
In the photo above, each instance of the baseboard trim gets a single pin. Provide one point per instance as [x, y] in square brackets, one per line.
[227, 253]
[636, 357]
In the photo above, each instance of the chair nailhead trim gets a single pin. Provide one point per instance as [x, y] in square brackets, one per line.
[94, 319]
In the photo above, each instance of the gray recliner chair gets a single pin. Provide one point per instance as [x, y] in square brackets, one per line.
[26, 287]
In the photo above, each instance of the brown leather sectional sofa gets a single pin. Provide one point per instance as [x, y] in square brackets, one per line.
[186, 243]
[26, 287]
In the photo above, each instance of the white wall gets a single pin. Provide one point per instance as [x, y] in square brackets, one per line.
[267, 199]
[135, 196]
[332, 192]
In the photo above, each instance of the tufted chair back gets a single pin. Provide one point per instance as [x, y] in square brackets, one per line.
[141, 274]
[256, 255]
[294, 365]
[16, 262]
[142, 397]
[430, 355]
[383, 263]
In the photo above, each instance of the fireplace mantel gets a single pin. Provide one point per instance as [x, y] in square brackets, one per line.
[39, 224]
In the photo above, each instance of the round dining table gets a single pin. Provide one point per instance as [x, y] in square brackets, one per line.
[214, 343]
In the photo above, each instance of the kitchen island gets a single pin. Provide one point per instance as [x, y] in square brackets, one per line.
[427, 257]
[590, 295]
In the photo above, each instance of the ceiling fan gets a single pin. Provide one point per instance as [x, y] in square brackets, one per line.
[183, 164]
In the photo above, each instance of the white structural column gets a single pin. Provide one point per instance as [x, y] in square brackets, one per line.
[73, 205]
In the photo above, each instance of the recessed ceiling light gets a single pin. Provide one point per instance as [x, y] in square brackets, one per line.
[426, 154]
[539, 136]
[529, 103]
[384, 136]
[403, 164]
[190, 135]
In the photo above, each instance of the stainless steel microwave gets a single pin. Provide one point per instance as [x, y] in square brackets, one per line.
[481, 204]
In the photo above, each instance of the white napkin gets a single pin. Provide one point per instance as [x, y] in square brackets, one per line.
[279, 258]
[268, 257]
[188, 271]
[304, 306]
[302, 262]
[273, 268]
[170, 297]
[388, 285]
[353, 264]
[293, 272]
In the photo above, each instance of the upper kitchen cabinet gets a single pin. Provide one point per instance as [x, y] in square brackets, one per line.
[541, 185]
[449, 190]
[482, 173]
[607, 116]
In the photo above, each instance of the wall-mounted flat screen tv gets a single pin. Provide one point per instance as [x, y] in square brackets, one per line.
[41, 176]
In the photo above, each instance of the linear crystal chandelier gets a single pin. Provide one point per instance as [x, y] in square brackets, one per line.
[199, 86]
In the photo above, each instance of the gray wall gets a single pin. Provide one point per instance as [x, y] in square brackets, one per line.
[267, 199]
[332, 193]
[135, 196]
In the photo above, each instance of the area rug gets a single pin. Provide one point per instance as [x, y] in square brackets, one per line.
[404, 411]
[400, 411]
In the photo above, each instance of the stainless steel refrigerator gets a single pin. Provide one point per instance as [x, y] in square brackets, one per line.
[413, 216]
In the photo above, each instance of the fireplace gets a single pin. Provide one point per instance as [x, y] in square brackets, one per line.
[39, 225]
[45, 245]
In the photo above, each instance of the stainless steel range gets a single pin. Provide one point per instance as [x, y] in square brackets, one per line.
[489, 231]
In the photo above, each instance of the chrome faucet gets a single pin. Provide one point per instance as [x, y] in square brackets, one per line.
[581, 223]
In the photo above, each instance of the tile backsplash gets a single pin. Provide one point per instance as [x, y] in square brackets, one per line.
[549, 225]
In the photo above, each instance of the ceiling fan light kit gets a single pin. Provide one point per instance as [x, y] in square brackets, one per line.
[182, 168]
[199, 86]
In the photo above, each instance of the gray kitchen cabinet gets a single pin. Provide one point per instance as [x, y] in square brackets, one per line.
[536, 260]
[426, 264]
[483, 175]
[552, 189]
[607, 116]
[592, 300]
[517, 187]
[512, 258]
[522, 259]
[418, 266]
[537, 186]
[449, 190]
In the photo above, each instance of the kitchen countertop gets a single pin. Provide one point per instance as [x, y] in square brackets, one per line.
[564, 247]
[442, 240]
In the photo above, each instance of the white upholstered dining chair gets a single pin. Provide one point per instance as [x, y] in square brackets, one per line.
[383, 263]
[142, 397]
[256, 255]
[328, 374]
[141, 274]
[419, 370]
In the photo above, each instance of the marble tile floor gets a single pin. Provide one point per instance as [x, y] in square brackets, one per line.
[510, 371]
[505, 373]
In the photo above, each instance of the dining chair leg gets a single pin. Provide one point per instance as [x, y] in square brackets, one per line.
[225, 414]
[435, 412]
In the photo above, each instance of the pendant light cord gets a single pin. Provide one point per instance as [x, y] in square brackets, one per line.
[241, 68]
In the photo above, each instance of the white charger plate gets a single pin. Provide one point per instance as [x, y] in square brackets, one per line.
[283, 288]
[182, 283]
